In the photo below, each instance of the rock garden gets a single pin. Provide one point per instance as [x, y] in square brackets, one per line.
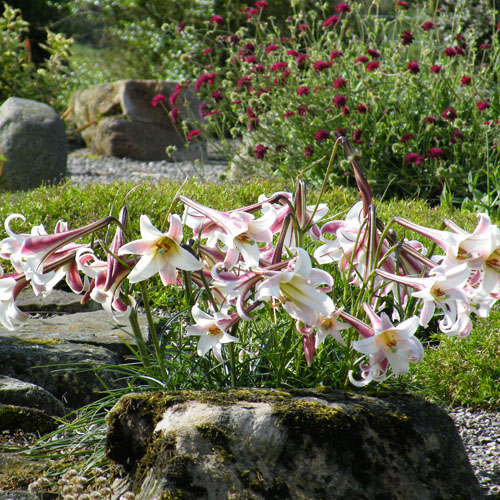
[249, 251]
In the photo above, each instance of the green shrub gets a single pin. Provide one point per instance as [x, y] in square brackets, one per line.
[21, 77]
[420, 101]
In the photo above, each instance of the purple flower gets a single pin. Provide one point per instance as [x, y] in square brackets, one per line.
[375, 54]
[428, 25]
[362, 109]
[339, 100]
[308, 151]
[303, 91]
[342, 7]
[449, 114]
[435, 68]
[372, 66]
[406, 37]
[406, 137]
[271, 48]
[413, 67]
[218, 20]
[356, 136]
[331, 21]
[339, 83]
[335, 54]
[321, 65]
[465, 81]
[481, 106]
[414, 158]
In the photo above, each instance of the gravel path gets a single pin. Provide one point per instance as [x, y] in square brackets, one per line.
[85, 168]
[480, 430]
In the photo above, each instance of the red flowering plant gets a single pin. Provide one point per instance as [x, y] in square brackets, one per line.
[329, 70]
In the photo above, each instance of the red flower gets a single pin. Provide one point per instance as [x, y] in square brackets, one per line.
[302, 110]
[340, 132]
[278, 66]
[428, 25]
[339, 83]
[414, 158]
[342, 7]
[339, 100]
[450, 52]
[362, 109]
[321, 135]
[251, 60]
[485, 46]
[406, 137]
[193, 134]
[301, 58]
[263, 90]
[402, 4]
[288, 114]
[373, 53]
[204, 78]
[406, 37]
[237, 101]
[465, 81]
[292, 52]
[356, 136]
[346, 111]
[335, 54]
[308, 151]
[157, 99]
[449, 114]
[174, 115]
[218, 20]
[261, 4]
[302, 27]
[250, 12]
[372, 66]
[481, 106]
[244, 81]
[413, 67]
[361, 60]
[303, 91]
[331, 21]
[321, 65]
[436, 153]
[253, 119]
[271, 48]
[459, 50]
[435, 68]
[456, 136]
[181, 26]
[260, 151]
[430, 119]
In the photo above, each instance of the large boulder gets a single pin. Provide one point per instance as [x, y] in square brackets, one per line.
[288, 445]
[118, 119]
[33, 140]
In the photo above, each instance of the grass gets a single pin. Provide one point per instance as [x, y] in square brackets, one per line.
[454, 371]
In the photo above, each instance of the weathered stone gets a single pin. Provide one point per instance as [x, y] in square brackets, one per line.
[65, 369]
[271, 444]
[57, 301]
[15, 418]
[33, 139]
[18, 495]
[18, 393]
[117, 119]
[95, 328]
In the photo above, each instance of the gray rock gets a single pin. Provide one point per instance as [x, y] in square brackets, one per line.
[117, 119]
[18, 393]
[18, 495]
[64, 369]
[33, 139]
[15, 418]
[58, 301]
[274, 444]
[95, 328]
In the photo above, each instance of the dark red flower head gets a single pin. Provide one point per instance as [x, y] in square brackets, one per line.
[308, 151]
[331, 21]
[193, 134]
[413, 67]
[372, 66]
[260, 151]
[436, 153]
[322, 65]
[401, 4]
[430, 119]
[481, 106]
[406, 37]
[406, 137]
[414, 158]
[303, 90]
[465, 81]
[339, 100]
[449, 114]
[428, 25]
[450, 52]
[339, 83]
[356, 136]
[157, 99]
[361, 60]
[218, 20]
[321, 135]
[271, 48]
[456, 136]
[435, 68]
[261, 4]
[374, 54]
[335, 54]
[342, 7]
[362, 109]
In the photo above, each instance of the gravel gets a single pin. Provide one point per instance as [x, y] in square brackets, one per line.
[85, 168]
[479, 430]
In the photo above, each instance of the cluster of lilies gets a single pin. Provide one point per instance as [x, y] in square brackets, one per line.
[239, 262]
